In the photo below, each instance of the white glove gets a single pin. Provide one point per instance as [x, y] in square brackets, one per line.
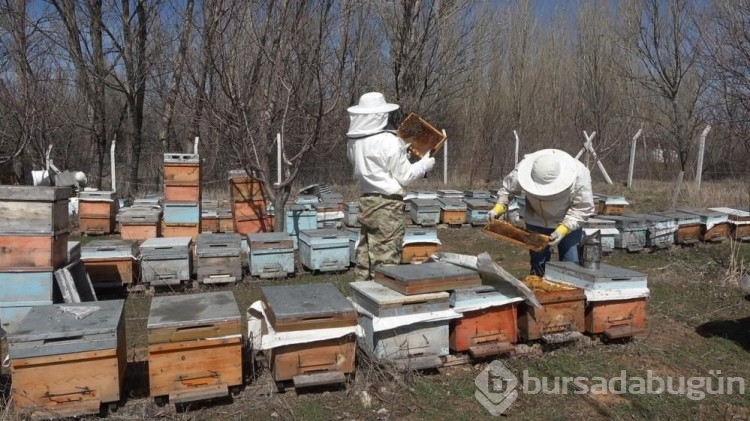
[557, 235]
[427, 162]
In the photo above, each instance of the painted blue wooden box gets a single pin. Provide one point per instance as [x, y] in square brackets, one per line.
[631, 232]
[19, 292]
[298, 218]
[353, 243]
[351, 211]
[270, 255]
[324, 250]
[166, 261]
[182, 213]
[476, 211]
[425, 212]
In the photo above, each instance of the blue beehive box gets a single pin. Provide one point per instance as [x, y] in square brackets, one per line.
[20, 292]
[324, 250]
[477, 210]
[182, 213]
[351, 211]
[298, 218]
[270, 254]
[425, 212]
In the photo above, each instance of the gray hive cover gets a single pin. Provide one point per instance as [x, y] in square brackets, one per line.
[425, 271]
[34, 193]
[109, 249]
[292, 301]
[66, 328]
[187, 310]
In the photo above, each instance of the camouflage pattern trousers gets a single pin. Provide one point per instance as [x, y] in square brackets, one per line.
[381, 236]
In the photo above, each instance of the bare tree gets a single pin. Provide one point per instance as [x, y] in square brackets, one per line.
[662, 39]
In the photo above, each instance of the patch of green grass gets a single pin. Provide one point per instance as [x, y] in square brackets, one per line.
[310, 410]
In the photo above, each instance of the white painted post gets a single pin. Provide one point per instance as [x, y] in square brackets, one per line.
[701, 151]
[278, 158]
[195, 146]
[518, 141]
[445, 158]
[112, 163]
[47, 161]
[677, 188]
[633, 142]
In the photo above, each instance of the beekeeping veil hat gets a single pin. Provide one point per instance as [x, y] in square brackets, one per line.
[370, 116]
[547, 172]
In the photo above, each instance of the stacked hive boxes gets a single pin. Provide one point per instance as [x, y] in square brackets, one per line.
[312, 334]
[96, 212]
[33, 244]
[182, 195]
[249, 204]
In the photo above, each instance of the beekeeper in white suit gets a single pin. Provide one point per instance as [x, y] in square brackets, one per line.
[381, 166]
[558, 201]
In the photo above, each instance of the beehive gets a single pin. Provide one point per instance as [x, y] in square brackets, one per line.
[111, 263]
[426, 277]
[194, 346]
[324, 250]
[425, 212]
[218, 258]
[270, 255]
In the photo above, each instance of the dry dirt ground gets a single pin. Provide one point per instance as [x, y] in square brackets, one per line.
[698, 326]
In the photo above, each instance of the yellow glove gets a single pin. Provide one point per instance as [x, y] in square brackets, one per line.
[557, 236]
[497, 211]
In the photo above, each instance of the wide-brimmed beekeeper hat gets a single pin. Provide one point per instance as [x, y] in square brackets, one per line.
[547, 172]
[370, 116]
[372, 103]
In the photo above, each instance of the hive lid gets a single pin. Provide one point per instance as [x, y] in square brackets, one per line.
[58, 321]
[179, 310]
[301, 307]
[34, 193]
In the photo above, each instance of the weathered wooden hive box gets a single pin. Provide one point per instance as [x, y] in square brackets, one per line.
[606, 228]
[243, 188]
[450, 194]
[425, 212]
[688, 226]
[417, 344]
[488, 324]
[324, 250]
[182, 177]
[739, 223]
[329, 215]
[616, 297]
[632, 232]
[714, 225]
[333, 198]
[218, 258]
[74, 251]
[181, 219]
[69, 360]
[419, 244]
[351, 211]
[660, 230]
[610, 205]
[194, 346]
[299, 218]
[426, 277]
[21, 291]
[97, 211]
[166, 261]
[561, 317]
[270, 255]
[226, 221]
[291, 308]
[452, 211]
[476, 194]
[477, 210]
[353, 243]
[33, 227]
[111, 263]
[140, 223]
[209, 216]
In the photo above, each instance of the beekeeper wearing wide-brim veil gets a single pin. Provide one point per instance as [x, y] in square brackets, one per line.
[558, 201]
[383, 170]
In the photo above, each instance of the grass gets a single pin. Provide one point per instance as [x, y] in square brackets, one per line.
[698, 322]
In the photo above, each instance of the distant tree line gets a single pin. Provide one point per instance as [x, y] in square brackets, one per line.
[155, 74]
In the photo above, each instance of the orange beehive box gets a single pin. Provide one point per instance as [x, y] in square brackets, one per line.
[180, 230]
[562, 311]
[195, 347]
[488, 325]
[182, 193]
[182, 169]
[616, 318]
[33, 251]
